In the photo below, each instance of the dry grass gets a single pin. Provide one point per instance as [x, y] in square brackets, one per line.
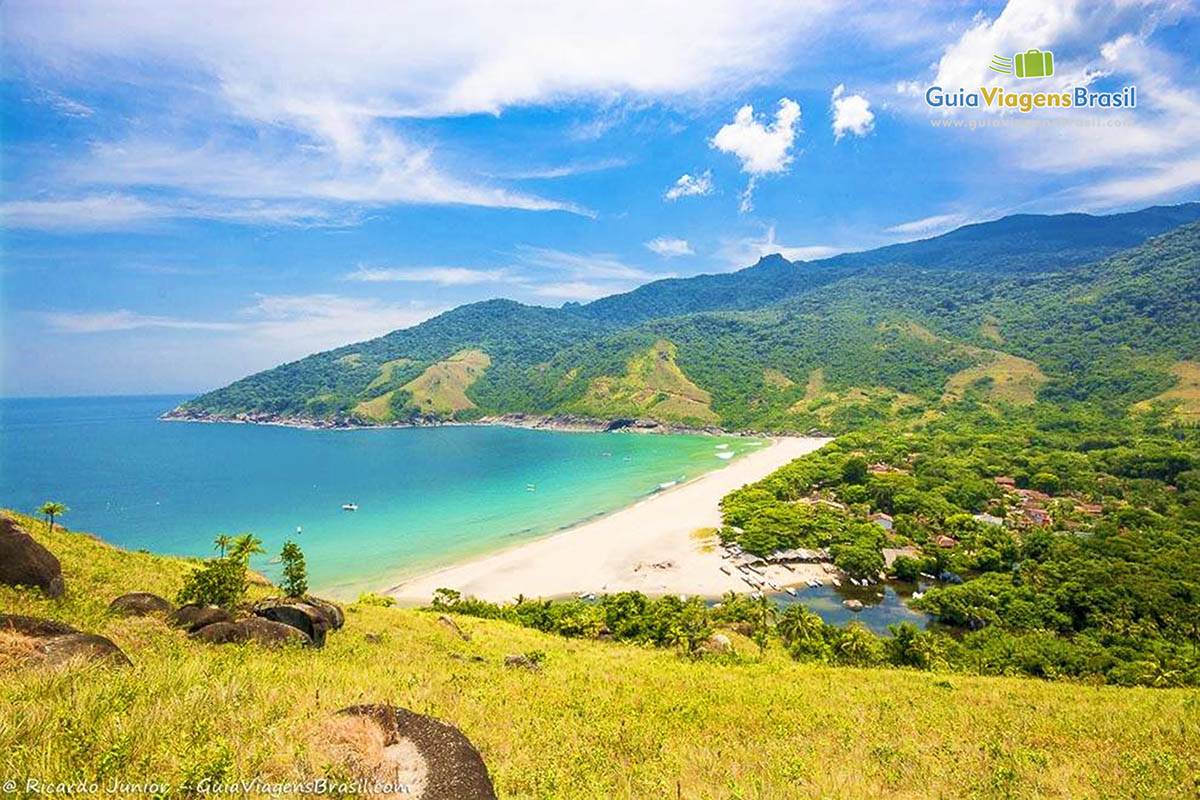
[599, 720]
[1184, 397]
[442, 387]
[1013, 380]
[653, 385]
[773, 377]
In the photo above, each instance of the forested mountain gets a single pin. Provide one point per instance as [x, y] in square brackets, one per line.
[1010, 311]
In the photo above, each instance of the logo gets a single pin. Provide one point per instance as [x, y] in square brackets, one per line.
[1030, 64]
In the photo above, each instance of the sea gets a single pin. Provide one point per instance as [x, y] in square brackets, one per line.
[426, 497]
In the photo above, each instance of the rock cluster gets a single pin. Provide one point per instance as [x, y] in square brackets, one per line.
[273, 622]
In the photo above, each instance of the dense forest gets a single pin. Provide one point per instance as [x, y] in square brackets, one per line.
[1058, 308]
[1056, 544]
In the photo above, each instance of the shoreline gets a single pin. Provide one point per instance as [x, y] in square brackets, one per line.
[651, 546]
[550, 422]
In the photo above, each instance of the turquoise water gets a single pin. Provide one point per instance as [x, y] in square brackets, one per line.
[426, 496]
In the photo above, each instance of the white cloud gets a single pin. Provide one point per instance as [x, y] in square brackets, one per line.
[851, 114]
[928, 225]
[670, 247]
[689, 185]
[747, 250]
[563, 170]
[572, 290]
[64, 105]
[589, 266]
[761, 149]
[116, 212]
[308, 106]
[443, 276]
[125, 320]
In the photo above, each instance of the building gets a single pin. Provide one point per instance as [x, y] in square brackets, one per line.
[988, 519]
[946, 541]
[1005, 482]
[882, 520]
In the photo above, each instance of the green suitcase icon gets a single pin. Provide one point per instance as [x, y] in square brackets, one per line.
[1034, 64]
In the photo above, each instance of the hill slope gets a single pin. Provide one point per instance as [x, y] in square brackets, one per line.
[599, 720]
[895, 331]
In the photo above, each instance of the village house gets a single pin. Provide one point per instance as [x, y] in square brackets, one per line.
[1006, 482]
[1036, 516]
[882, 520]
[945, 541]
[988, 519]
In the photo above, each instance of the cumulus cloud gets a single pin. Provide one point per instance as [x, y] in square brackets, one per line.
[310, 106]
[851, 114]
[761, 148]
[670, 247]
[691, 185]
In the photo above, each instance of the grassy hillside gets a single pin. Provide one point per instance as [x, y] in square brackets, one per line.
[599, 720]
[1017, 307]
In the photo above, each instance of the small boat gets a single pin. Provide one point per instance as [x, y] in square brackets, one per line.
[790, 590]
[529, 487]
[349, 506]
[773, 585]
[726, 571]
[725, 454]
[917, 595]
[722, 447]
[836, 582]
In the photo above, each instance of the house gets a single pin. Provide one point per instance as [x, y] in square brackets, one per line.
[946, 541]
[1034, 496]
[1005, 482]
[1037, 516]
[882, 520]
[988, 519]
[1094, 509]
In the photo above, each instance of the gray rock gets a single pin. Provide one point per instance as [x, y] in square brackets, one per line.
[140, 604]
[337, 617]
[853, 605]
[454, 769]
[261, 631]
[452, 625]
[193, 617]
[518, 660]
[57, 643]
[308, 619]
[718, 643]
[25, 562]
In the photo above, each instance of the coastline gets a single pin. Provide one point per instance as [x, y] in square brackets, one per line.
[651, 547]
[551, 422]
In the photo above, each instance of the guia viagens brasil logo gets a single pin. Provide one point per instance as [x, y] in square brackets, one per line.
[1032, 63]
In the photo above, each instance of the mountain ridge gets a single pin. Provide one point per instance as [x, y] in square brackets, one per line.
[749, 341]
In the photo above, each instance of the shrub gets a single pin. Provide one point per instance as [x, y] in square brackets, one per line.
[219, 582]
[295, 572]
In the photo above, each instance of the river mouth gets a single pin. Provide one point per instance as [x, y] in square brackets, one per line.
[883, 604]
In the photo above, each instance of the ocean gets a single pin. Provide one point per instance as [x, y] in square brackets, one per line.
[426, 497]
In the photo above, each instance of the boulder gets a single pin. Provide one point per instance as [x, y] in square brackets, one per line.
[436, 760]
[337, 617]
[140, 604]
[251, 629]
[193, 617]
[853, 605]
[89, 646]
[452, 625]
[55, 642]
[718, 643]
[269, 633]
[308, 619]
[519, 660]
[25, 562]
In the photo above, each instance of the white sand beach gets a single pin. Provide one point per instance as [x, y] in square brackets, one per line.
[650, 547]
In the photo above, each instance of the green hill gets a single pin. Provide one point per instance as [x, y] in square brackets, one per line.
[599, 719]
[1043, 307]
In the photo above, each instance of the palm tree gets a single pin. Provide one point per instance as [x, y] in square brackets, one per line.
[222, 542]
[51, 510]
[245, 546]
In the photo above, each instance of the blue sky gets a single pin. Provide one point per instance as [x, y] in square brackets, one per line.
[192, 192]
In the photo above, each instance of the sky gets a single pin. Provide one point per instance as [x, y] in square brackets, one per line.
[191, 192]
